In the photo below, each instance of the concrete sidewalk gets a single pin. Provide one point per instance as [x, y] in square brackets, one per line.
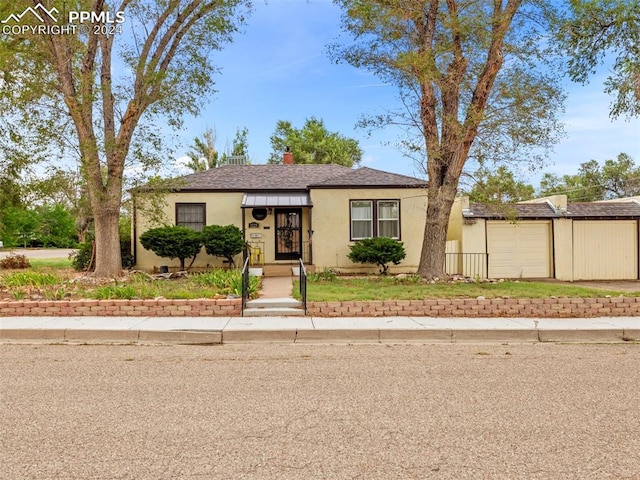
[220, 330]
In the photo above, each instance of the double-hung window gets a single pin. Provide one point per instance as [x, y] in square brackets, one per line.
[375, 218]
[361, 219]
[191, 215]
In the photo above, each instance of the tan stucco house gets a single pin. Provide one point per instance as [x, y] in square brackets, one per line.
[292, 211]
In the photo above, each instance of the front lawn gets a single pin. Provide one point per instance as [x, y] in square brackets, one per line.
[412, 288]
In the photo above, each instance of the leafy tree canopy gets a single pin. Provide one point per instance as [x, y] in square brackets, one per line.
[313, 143]
[595, 29]
[614, 179]
[475, 81]
[499, 187]
[105, 89]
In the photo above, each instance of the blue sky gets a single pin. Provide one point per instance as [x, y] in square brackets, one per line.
[278, 69]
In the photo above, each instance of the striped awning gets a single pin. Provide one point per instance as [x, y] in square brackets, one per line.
[274, 199]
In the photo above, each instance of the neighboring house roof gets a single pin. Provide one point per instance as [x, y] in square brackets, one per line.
[609, 210]
[291, 177]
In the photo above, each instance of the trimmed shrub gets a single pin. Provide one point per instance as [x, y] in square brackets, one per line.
[223, 241]
[173, 242]
[377, 251]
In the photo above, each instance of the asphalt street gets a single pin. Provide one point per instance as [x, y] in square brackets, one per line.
[543, 411]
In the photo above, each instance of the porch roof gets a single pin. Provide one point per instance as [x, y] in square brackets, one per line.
[276, 199]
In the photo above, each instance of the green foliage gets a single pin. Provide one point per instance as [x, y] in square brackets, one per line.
[45, 226]
[15, 262]
[223, 241]
[119, 292]
[326, 275]
[203, 154]
[228, 281]
[377, 251]
[50, 82]
[596, 29]
[499, 187]
[81, 258]
[18, 226]
[615, 179]
[466, 91]
[28, 279]
[173, 242]
[56, 227]
[313, 143]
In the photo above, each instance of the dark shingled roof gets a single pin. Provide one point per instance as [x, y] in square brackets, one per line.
[603, 210]
[290, 177]
[260, 177]
[365, 177]
[545, 210]
[519, 210]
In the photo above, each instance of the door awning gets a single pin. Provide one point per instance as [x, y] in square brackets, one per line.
[273, 199]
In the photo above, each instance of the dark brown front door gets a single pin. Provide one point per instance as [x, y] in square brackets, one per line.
[288, 233]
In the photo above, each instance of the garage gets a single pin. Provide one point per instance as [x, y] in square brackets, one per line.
[520, 250]
[605, 249]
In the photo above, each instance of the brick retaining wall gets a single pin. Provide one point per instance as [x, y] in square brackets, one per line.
[491, 307]
[457, 307]
[123, 308]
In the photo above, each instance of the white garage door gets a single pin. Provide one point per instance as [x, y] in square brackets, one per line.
[605, 250]
[521, 250]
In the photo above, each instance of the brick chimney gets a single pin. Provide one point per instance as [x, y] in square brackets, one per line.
[287, 157]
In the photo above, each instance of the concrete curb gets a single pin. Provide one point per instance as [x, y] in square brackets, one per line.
[140, 337]
[284, 336]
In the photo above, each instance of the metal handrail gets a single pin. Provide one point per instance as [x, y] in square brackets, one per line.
[245, 284]
[303, 285]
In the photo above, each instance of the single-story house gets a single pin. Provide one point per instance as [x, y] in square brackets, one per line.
[549, 238]
[292, 211]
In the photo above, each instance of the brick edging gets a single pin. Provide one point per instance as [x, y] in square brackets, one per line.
[122, 308]
[490, 307]
[456, 307]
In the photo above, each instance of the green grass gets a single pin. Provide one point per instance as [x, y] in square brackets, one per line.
[37, 263]
[389, 288]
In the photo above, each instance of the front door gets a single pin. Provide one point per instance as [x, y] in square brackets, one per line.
[288, 233]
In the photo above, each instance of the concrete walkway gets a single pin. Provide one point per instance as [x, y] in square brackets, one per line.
[276, 287]
[217, 330]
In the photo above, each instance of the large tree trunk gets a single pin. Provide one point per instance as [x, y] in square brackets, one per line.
[108, 258]
[433, 257]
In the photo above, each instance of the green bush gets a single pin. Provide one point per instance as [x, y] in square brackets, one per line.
[173, 242]
[81, 258]
[377, 251]
[223, 241]
[227, 281]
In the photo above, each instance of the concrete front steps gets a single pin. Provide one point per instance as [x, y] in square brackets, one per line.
[274, 307]
[282, 269]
